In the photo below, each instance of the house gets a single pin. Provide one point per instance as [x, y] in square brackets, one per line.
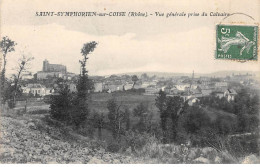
[112, 87]
[221, 84]
[167, 89]
[72, 87]
[219, 94]
[49, 91]
[128, 86]
[138, 86]
[27, 76]
[196, 92]
[109, 91]
[36, 90]
[119, 87]
[192, 101]
[182, 87]
[98, 87]
[206, 92]
[145, 84]
[193, 86]
[174, 91]
[230, 94]
[151, 90]
[205, 83]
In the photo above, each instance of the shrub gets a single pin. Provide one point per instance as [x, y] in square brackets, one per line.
[136, 140]
[113, 147]
[38, 112]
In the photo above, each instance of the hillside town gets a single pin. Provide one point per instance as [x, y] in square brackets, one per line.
[165, 117]
[190, 88]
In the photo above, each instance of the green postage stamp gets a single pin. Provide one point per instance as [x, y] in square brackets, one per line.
[236, 42]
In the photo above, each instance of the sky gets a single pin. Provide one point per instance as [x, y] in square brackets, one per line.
[125, 44]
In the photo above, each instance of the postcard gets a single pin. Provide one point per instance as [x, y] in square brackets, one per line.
[129, 82]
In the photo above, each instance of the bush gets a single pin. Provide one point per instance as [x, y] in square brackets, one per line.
[113, 147]
[136, 140]
[87, 130]
[38, 112]
[11, 104]
[196, 125]
[52, 122]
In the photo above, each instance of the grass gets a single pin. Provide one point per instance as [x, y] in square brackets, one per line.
[214, 113]
[126, 100]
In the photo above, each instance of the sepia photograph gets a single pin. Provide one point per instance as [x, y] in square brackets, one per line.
[129, 82]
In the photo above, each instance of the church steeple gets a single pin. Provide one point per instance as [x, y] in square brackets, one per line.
[192, 77]
[191, 82]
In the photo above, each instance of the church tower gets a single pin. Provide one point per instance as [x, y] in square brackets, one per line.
[45, 65]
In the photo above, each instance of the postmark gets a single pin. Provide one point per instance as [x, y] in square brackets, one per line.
[236, 42]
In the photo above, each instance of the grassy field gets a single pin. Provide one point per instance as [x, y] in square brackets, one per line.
[131, 100]
[126, 100]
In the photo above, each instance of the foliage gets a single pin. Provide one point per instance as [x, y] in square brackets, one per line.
[6, 45]
[195, 119]
[116, 117]
[136, 141]
[169, 108]
[139, 91]
[144, 116]
[98, 119]
[218, 103]
[69, 107]
[127, 119]
[22, 67]
[173, 108]
[160, 103]
[134, 79]
[245, 106]
[113, 147]
[61, 105]
[84, 86]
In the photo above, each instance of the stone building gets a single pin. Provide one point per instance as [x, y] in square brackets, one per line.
[54, 70]
[47, 67]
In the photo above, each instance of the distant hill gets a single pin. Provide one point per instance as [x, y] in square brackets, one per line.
[229, 73]
[214, 74]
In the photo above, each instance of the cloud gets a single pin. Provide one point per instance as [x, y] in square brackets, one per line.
[166, 52]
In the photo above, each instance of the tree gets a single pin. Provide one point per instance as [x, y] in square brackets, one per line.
[160, 103]
[116, 117]
[9, 92]
[134, 79]
[7, 45]
[99, 122]
[61, 104]
[194, 121]
[173, 108]
[144, 77]
[141, 111]
[23, 66]
[127, 119]
[84, 86]
[246, 107]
